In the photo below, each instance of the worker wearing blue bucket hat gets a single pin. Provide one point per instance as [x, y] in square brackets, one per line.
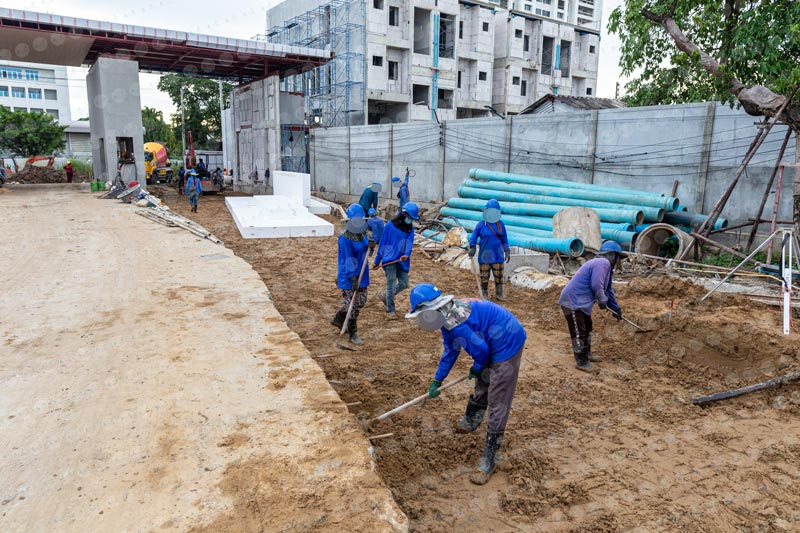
[491, 235]
[494, 338]
[394, 254]
[590, 284]
[353, 245]
[369, 198]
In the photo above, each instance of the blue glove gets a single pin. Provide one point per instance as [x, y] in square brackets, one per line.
[432, 390]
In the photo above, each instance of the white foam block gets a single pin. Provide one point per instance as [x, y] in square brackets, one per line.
[273, 217]
[297, 186]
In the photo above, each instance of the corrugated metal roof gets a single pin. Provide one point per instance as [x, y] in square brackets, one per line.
[547, 103]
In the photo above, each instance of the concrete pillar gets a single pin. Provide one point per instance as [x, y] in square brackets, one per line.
[115, 118]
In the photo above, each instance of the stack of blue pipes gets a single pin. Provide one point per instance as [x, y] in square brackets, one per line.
[529, 204]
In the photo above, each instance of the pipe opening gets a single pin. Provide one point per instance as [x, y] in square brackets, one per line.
[662, 240]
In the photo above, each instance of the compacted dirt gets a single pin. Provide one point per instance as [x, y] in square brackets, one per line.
[621, 450]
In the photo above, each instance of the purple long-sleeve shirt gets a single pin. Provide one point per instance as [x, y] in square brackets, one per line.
[591, 283]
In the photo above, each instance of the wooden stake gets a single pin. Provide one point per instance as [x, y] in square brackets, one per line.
[385, 435]
[718, 245]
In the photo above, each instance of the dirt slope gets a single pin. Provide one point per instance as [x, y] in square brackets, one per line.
[624, 450]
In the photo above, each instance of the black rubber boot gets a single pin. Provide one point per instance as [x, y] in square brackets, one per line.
[352, 329]
[489, 460]
[338, 320]
[499, 293]
[472, 418]
[582, 360]
[592, 357]
[485, 291]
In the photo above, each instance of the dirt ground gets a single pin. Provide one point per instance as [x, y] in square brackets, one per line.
[620, 451]
[147, 383]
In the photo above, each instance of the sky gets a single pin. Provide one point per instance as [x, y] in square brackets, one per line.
[244, 19]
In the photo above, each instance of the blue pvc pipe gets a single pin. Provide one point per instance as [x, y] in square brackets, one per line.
[640, 228]
[632, 217]
[571, 247]
[625, 238]
[667, 204]
[651, 214]
[543, 223]
[692, 219]
[569, 189]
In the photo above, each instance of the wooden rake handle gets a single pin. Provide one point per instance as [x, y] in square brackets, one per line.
[415, 401]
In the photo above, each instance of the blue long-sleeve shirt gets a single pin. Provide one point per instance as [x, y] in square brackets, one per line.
[403, 194]
[394, 245]
[351, 257]
[591, 283]
[493, 240]
[376, 225]
[194, 181]
[369, 198]
[491, 334]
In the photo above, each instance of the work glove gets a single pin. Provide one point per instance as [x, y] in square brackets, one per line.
[602, 305]
[472, 251]
[507, 255]
[433, 391]
[617, 314]
[354, 282]
[474, 373]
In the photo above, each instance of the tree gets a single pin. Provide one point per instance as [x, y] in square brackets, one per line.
[29, 134]
[731, 50]
[156, 130]
[201, 97]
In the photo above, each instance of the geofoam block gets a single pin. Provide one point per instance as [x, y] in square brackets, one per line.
[274, 217]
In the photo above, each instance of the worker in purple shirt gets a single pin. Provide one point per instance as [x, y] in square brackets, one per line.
[591, 283]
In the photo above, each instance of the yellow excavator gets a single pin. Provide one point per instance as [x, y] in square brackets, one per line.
[156, 163]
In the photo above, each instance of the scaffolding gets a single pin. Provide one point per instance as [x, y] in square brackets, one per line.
[335, 93]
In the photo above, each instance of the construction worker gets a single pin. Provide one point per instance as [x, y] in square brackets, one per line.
[590, 284]
[403, 194]
[394, 254]
[194, 189]
[493, 238]
[375, 225]
[494, 338]
[181, 179]
[353, 244]
[69, 170]
[369, 198]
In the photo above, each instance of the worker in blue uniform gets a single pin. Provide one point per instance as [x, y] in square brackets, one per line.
[394, 254]
[491, 235]
[403, 194]
[353, 244]
[375, 225]
[590, 284]
[494, 338]
[369, 198]
[194, 189]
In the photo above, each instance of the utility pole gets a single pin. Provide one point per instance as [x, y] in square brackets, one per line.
[616, 92]
[183, 129]
[796, 196]
[222, 127]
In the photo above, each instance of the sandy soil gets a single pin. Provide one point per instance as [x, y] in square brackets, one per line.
[147, 383]
[623, 450]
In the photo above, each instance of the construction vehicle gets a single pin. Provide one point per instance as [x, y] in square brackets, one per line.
[50, 160]
[156, 163]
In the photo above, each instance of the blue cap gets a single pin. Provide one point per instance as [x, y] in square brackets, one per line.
[610, 246]
[355, 211]
[412, 210]
[395, 179]
[372, 212]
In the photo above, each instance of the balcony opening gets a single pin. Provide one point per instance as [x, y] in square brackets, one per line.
[422, 31]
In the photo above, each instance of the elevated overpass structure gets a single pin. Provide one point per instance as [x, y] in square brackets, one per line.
[117, 52]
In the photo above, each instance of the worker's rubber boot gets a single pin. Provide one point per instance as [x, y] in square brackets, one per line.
[499, 292]
[472, 418]
[338, 319]
[582, 361]
[485, 291]
[352, 329]
[592, 357]
[489, 460]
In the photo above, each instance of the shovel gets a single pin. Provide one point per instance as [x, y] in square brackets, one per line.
[415, 401]
[639, 329]
[339, 343]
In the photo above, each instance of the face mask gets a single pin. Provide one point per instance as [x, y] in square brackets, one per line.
[430, 320]
[409, 221]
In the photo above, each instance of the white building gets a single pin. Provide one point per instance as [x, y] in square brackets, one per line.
[45, 89]
[415, 60]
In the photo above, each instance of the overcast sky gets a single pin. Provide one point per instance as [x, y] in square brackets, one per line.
[244, 19]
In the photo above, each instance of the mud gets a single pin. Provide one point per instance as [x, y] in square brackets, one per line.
[621, 450]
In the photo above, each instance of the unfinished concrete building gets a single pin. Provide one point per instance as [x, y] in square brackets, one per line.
[419, 60]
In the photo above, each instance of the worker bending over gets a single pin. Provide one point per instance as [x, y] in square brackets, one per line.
[353, 244]
[194, 189]
[494, 338]
[394, 254]
[491, 234]
[369, 198]
[590, 284]
[376, 225]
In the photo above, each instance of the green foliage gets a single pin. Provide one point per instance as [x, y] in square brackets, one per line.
[201, 98]
[724, 259]
[29, 134]
[757, 42]
[156, 130]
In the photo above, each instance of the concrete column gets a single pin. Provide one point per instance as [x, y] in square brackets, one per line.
[347, 161]
[115, 113]
[796, 196]
[592, 153]
[509, 132]
[702, 174]
[442, 157]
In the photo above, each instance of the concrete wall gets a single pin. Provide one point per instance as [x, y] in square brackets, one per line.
[256, 130]
[646, 148]
[115, 110]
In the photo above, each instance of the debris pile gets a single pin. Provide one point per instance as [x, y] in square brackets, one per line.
[35, 175]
